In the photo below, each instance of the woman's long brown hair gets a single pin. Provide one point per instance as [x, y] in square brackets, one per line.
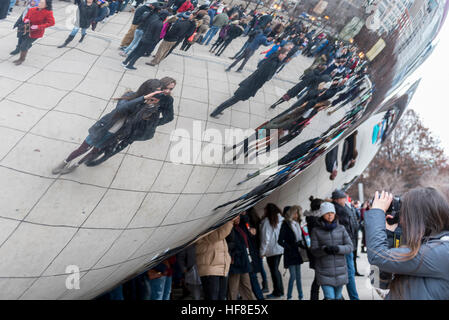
[271, 212]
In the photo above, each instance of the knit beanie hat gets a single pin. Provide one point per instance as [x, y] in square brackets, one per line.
[326, 207]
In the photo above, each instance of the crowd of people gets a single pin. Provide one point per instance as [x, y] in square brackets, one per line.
[227, 263]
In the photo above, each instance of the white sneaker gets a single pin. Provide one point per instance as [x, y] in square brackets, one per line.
[59, 168]
[69, 169]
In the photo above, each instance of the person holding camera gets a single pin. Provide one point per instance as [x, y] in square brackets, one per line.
[330, 244]
[420, 264]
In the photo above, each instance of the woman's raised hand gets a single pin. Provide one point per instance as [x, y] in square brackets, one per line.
[383, 201]
[149, 98]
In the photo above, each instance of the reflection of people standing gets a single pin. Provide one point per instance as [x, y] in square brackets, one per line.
[107, 127]
[249, 87]
[150, 38]
[4, 8]
[349, 153]
[176, 32]
[332, 162]
[86, 14]
[260, 39]
[330, 243]
[35, 22]
[141, 125]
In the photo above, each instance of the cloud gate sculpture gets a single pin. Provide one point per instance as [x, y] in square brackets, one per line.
[113, 220]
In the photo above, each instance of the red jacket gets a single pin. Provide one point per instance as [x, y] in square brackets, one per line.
[186, 6]
[43, 18]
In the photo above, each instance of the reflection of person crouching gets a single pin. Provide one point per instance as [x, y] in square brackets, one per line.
[105, 130]
[330, 243]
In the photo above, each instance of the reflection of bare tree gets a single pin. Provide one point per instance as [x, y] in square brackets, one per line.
[409, 158]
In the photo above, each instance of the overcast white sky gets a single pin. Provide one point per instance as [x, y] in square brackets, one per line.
[431, 100]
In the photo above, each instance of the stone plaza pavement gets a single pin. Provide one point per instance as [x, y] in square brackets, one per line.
[48, 103]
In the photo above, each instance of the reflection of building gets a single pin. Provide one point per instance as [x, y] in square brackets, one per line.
[392, 14]
[351, 29]
[414, 36]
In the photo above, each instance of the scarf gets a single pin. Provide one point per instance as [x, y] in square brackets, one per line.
[329, 226]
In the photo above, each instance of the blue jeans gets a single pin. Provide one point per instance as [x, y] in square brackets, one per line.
[113, 8]
[116, 294]
[75, 31]
[255, 285]
[160, 288]
[295, 274]
[12, 3]
[137, 37]
[332, 293]
[123, 6]
[350, 286]
[245, 45]
[210, 34]
[247, 28]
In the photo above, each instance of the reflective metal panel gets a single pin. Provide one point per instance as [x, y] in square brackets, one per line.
[311, 128]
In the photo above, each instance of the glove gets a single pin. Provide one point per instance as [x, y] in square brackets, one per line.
[327, 249]
[286, 97]
[34, 27]
[26, 20]
[334, 249]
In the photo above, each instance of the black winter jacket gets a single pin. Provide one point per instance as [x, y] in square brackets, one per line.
[153, 28]
[249, 87]
[256, 265]
[86, 14]
[124, 108]
[178, 30]
[238, 252]
[348, 220]
[287, 240]
[137, 19]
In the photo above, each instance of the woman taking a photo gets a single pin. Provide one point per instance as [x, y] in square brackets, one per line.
[420, 265]
[269, 247]
[105, 130]
[330, 243]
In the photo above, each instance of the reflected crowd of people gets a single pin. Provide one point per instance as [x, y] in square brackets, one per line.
[229, 262]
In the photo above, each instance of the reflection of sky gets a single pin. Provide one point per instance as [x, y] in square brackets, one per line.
[431, 98]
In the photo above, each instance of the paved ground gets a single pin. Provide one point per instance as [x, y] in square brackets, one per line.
[46, 106]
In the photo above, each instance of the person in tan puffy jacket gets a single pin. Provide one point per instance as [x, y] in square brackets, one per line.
[213, 261]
